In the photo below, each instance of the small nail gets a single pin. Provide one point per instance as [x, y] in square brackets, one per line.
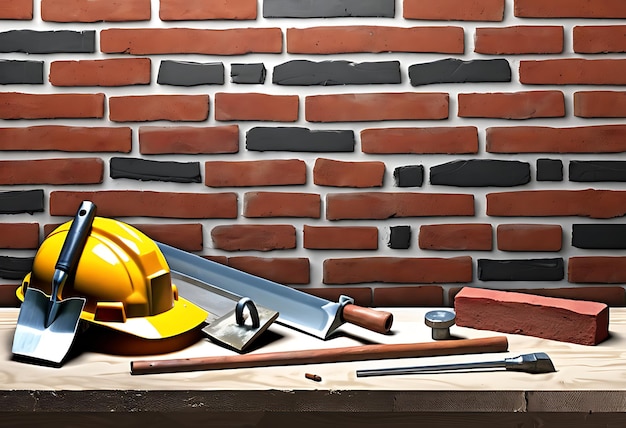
[314, 377]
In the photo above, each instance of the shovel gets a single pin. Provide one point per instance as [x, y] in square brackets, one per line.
[46, 326]
[297, 309]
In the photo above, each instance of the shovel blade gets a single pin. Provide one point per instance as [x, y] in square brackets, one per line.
[34, 339]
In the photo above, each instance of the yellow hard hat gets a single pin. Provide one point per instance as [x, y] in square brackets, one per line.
[124, 278]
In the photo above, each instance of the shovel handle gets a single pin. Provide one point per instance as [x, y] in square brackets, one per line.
[371, 319]
[76, 237]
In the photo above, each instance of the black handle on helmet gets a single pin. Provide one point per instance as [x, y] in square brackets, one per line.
[76, 237]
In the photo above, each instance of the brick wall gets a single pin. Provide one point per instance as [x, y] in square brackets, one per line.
[391, 150]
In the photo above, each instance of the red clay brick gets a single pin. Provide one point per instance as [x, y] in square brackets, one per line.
[16, 9]
[104, 72]
[52, 171]
[570, 9]
[281, 204]
[8, 299]
[95, 10]
[383, 205]
[159, 107]
[281, 270]
[397, 270]
[586, 203]
[253, 106]
[329, 172]
[367, 107]
[529, 237]
[541, 139]
[190, 10]
[599, 269]
[155, 41]
[573, 71]
[154, 140]
[575, 321]
[19, 236]
[187, 237]
[340, 237]
[468, 236]
[599, 39]
[611, 295]
[457, 10]
[375, 39]
[275, 172]
[66, 138]
[260, 237]
[515, 105]
[517, 40]
[362, 295]
[416, 296]
[600, 104]
[17, 105]
[435, 140]
[136, 203]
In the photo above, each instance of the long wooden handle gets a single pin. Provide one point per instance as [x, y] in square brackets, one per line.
[371, 319]
[314, 356]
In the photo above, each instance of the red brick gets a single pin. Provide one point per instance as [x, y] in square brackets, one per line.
[8, 299]
[362, 295]
[95, 10]
[159, 107]
[454, 10]
[575, 321]
[514, 105]
[66, 139]
[570, 9]
[375, 39]
[20, 236]
[384, 205]
[281, 204]
[600, 104]
[187, 237]
[16, 9]
[274, 172]
[416, 296]
[599, 269]
[16, 105]
[599, 39]
[517, 40]
[397, 270]
[154, 140]
[529, 237]
[329, 172]
[135, 203]
[154, 41]
[260, 237]
[542, 139]
[367, 107]
[104, 72]
[467, 236]
[573, 71]
[190, 10]
[340, 237]
[52, 171]
[252, 106]
[281, 270]
[435, 140]
[612, 296]
[586, 203]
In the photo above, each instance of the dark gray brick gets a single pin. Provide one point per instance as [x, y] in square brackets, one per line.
[21, 72]
[183, 73]
[294, 139]
[21, 201]
[44, 42]
[15, 267]
[452, 70]
[481, 172]
[599, 236]
[586, 171]
[328, 8]
[549, 170]
[400, 238]
[328, 73]
[409, 176]
[149, 170]
[253, 73]
[521, 270]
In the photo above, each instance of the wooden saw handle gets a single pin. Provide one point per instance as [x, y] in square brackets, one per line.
[371, 319]
[314, 356]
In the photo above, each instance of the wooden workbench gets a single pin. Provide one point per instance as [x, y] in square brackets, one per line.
[588, 389]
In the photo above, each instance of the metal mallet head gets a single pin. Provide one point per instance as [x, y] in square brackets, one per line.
[440, 321]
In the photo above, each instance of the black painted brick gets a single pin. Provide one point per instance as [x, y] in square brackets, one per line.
[149, 170]
[21, 201]
[253, 73]
[328, 8]
[481, 172]
[295, 139]
[21, 72]
[44, 42]
[521, 270]
[599, 236]
[183, 73]
[328, 73]
[409, 176]
[400, 238]
[549, 170]
[15, 267]
[452, 70]
[586, 171]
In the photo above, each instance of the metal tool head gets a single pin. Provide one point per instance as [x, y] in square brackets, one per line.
[538, 362]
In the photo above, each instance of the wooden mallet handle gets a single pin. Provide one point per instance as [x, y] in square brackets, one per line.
[371, 319]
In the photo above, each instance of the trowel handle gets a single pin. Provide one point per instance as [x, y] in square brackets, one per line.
[371, 319]
[76, 237]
